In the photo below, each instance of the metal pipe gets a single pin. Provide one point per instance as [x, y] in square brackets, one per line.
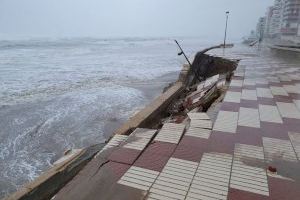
[182, 52]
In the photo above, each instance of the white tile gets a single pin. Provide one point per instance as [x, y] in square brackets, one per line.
[276, 149]
[201, 124]
[234, 97]
[278, 91]
[249, 94]
[249, 82]
[174, 180]
[226, 122]
[170, 133]
[245, 177]
[236, 83]
[138, 178]
[297, 103]
[211, 182]
[264, 92]
[288, 110]
[198, 132]
[269, 113]
[139, 139]
[198, 116]
[116, 140]
[249, 117]
[249, 151]
[295, 139]
[292, 89]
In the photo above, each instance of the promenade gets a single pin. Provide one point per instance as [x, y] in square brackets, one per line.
[249, 150]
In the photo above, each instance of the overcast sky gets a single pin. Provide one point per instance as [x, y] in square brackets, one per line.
[118, 18]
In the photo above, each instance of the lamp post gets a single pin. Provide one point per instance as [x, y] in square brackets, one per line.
[227, 14]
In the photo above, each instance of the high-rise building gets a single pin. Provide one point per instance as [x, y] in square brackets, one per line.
[274, 19]
[260, 27]
[291, 16]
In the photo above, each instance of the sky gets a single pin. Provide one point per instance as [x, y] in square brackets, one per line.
[128, 18]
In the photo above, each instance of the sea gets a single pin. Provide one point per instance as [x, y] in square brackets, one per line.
[67, 93]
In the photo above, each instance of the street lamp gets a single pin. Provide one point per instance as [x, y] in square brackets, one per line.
[227, 14]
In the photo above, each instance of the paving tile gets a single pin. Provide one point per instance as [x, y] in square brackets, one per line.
[269, 113]
[124, 155]
[249, 135]
[211, 179]
[292, 89]
[249, 117]
[116, 140]
[283, 189]
[250, 82]
[222, 142]
[277, 149]
[278, 91]
[235, 194]
[207, 124]
[266, 101]
[288, 110]
[297, 103]
[274, 130]
[264, 92]
[249, 94]
[228, 106]
[161, 148]
[198, 116]
[245, 175]
[198, 132]
[249, 103]
[173, 182]
[139, 178]
[295, 140]
[139, 139]
[151, 161]
[170, 133]
[236, 83]
[233, 97]
[191, 153]
[226, 122]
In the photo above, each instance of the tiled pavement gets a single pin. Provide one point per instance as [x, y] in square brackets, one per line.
[256, 129]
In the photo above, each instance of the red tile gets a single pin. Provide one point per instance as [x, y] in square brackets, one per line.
[285, 99]
[117, 169]
[275, 84]
[262, 85]
[249, 135]
[234, 89]
[286, 82]
[235, 194]
[291, 124]
[228, 106]
[193, 141]
[266, 101]
[294, 96]
[249, 103]
[190, 153]
[151, 161]
[249, 87]
[283, 189]
[124, 155]
[274, 130]
[161, 148]
[222, 142]
[237, 78]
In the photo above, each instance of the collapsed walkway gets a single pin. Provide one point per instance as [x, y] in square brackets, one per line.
[250, 151]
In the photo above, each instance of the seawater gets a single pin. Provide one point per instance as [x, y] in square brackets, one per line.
[57, 94]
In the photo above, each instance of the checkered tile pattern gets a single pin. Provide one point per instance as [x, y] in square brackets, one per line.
[250, 151]
[170, 133]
